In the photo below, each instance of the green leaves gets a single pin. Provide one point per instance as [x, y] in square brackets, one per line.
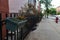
[52, 11]
[42, 1]
[46, 2]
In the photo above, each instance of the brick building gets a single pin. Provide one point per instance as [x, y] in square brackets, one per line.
[4, 11]
[58, 9]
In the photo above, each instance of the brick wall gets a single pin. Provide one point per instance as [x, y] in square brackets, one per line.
[4, 11]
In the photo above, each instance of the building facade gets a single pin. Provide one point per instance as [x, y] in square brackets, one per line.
[14, 15]
[4, 11]
[15, 6]
[58, 9]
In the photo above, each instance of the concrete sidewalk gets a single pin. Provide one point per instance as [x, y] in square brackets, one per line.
[46, 30]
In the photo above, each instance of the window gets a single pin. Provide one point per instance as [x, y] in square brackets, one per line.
[6, 15]
[14, 14]
[10, 15]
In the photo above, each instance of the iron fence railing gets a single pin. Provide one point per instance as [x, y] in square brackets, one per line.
[15, 29]
[18, 30]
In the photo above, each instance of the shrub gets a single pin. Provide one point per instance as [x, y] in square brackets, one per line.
[58, 13]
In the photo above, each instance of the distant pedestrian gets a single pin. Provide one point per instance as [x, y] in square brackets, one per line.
[57, 19]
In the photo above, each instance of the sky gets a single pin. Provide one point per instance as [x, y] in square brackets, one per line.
[55, 3]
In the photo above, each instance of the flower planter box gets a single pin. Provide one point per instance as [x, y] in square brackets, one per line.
[12, 24]
[16, 27]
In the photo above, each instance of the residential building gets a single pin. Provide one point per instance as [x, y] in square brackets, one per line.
[58, 9]
[15, 6]
[13, 15]
[4, 11]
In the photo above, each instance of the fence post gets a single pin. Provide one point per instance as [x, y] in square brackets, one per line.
[21, 33]
[11, 36]
[14, 35]
[7, 34]
[0, 30]
[17, 32]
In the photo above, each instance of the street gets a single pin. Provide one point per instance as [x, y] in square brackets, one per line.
[46, 30]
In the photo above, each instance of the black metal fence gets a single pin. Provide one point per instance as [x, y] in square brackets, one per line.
[2, 22]
[21, 33]
[18, 34]
[0, 30]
